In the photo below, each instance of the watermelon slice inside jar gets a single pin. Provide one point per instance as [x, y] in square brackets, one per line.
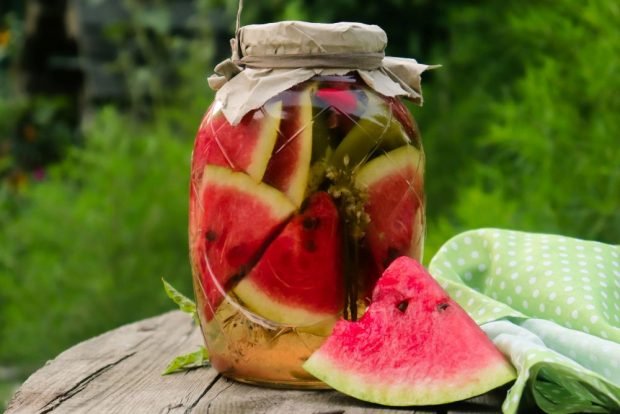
[394, 188]
[237, 219]
[245, 147]
[377, 131]
[340, 105]
[298, 281]
[289, 165]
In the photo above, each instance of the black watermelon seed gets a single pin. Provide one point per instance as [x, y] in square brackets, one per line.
[442, 307]
[392, 254]
[310, 245]
[211, 235]
[402, 306]
[311, 223]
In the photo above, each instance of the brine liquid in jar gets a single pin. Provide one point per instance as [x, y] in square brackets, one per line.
[294, 214]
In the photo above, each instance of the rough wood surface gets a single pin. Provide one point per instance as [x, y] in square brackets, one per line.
[119, 372]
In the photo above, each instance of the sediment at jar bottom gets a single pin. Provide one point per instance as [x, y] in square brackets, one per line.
[282, 384]
[248, 352]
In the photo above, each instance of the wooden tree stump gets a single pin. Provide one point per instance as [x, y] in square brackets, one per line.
[120, 372]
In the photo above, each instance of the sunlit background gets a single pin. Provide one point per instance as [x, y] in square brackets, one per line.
[99, 102]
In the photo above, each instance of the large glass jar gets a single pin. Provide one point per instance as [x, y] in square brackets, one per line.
[295, 211]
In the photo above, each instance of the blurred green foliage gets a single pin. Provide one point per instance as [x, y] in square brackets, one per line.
[94, 239]
[528, 137]
[520, 127]
[83, 248]
[34, 132]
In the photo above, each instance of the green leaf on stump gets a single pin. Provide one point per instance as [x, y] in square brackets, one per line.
[196, 359]
[185, 304]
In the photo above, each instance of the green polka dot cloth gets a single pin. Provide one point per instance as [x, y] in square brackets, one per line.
[551, 304]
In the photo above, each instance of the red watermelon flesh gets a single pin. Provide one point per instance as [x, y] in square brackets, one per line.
[402, 114]
[413, 346]
[244, 147]
[343, 100]
[235, 220]
[299, 281]
[393, 184]
[289, 166]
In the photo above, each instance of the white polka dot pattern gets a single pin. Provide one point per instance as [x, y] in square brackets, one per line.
[520, 271]
[562, 296]
[567, 371]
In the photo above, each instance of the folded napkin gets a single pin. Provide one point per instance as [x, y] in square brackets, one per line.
[551, 304]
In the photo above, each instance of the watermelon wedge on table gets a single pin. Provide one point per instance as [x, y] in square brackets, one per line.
[299, 281]
[413, 346]
[236, 218]
[393, 184]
